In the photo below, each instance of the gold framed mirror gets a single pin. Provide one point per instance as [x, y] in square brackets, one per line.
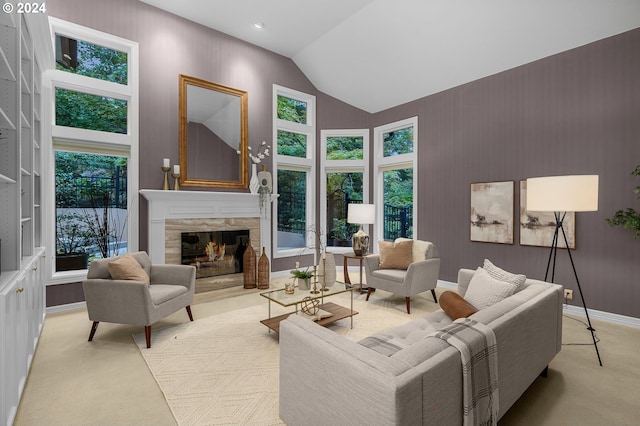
[213, 134]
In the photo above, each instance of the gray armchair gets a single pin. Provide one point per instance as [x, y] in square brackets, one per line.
[420, 276]
[170, 288]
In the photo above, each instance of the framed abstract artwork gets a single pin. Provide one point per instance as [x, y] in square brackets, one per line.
[491, 219]
[537, 228]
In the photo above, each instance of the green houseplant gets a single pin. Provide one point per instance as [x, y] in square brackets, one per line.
[303, 276]
[628, 218]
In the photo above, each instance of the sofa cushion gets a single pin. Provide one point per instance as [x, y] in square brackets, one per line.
[484, 290]
[391, 341]
[126, 267]
[455, 306]
[395, 255]
[396, 275]
[500, 274]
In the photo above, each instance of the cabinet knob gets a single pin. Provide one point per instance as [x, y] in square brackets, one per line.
[35, 268]
[20, 290]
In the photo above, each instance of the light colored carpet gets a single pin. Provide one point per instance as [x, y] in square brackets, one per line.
[107, 382]
[224, 369]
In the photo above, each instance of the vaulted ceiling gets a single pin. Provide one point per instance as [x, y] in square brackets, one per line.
[377, 54]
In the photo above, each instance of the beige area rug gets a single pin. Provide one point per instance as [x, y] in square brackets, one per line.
[224, 369]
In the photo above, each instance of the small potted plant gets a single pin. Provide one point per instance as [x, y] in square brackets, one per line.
[303, 277]
[71, 242]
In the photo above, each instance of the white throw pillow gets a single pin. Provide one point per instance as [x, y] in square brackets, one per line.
[421, 249]
[484, 290]
[502, 275]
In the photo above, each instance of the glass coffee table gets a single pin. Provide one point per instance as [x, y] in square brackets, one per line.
[297, 298]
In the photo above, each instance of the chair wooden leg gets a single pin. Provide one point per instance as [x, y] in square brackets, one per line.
[189, 313]
[147, 335]
[433, 292]
[545, 372]
[369, 291]
[94, 327]
[408, 299]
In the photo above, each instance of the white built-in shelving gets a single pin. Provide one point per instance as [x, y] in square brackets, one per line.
[25, 53]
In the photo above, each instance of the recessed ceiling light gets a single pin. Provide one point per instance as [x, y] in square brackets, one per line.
[258, 25]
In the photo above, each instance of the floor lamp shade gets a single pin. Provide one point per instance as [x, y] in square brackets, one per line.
[577, 193]
[361, 214]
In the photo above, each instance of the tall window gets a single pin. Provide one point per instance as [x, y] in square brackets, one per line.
[395, 165]
[294, 171]
[94, 150]
[344, 180]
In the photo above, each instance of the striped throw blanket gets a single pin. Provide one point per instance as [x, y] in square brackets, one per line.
[479, 352]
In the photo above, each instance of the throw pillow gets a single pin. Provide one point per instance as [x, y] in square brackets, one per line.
[398, 255]
[127, 268]
[421, 249]
[502, 275]
[484, 290]
[455, 306]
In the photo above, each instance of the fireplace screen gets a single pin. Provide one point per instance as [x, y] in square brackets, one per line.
[215, 252]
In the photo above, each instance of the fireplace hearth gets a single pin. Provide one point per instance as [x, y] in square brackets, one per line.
[214, 253]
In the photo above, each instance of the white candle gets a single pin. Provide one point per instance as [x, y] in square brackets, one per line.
[165, 163]
[315, 255]
[176, 169]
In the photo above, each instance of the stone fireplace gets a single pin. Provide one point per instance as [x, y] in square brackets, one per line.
[172, 213]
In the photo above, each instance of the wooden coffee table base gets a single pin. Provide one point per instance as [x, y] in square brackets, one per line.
[339, 312]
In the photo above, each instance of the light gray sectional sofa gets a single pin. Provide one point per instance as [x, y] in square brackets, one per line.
[326, 379]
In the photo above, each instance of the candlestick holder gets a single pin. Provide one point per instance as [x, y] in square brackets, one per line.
[176, 184]
[315, 280]
[324, 275]
[165, 184]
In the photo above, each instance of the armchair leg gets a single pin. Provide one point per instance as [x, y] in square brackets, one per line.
[408, 299]
[189, 313]
[433, 292]
[147, 335]
[369, 291]
[94, 327]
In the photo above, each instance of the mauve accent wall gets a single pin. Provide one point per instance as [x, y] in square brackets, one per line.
[573, 113]
[169, 46]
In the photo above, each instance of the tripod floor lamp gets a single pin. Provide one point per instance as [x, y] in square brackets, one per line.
[562, 194]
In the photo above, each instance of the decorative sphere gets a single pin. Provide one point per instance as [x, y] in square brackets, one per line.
[310, 307]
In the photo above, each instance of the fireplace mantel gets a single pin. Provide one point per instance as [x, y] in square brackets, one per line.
[169, 204]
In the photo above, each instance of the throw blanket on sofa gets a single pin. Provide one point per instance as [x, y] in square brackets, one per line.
[479, 352]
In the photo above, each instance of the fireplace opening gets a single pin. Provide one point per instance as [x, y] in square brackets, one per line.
[214, 253]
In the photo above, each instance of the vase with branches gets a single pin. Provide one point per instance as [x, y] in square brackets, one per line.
[105, 230]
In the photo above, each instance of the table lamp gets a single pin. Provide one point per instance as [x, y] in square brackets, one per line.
[362, 214]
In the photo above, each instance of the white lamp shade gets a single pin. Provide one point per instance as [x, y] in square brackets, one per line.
[361, 213]
[577, 193]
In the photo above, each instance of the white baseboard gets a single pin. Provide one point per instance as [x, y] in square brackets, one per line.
[603, 316]
[67, 307]
[576, 310]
